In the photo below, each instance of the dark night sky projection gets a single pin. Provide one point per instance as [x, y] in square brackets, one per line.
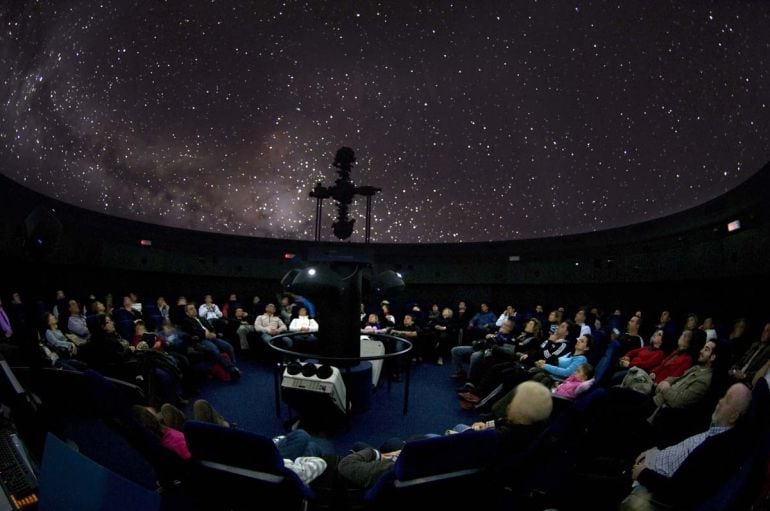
[480, 120]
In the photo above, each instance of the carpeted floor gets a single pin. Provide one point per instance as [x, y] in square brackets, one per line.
[433, 406]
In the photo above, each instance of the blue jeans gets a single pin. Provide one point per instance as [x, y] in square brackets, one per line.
[298, 443]
[461, 428]
[473, 366]
[458, 354]
[217, 346]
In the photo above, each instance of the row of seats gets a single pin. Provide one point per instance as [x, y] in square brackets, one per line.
[236, 469]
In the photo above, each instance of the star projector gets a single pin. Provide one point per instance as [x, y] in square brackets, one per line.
[336, 288]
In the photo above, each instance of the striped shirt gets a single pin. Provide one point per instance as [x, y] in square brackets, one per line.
[668, 461]
[306, 467]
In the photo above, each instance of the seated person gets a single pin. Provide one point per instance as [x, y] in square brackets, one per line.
[204, 339]
[130, 308]
[531, 336]
[677, 362]
[211, 313]
[502, 359]
[171, 338]
[144, 340]
[542, 372]
[373, 326]
[689, 389]
[243, 326]
[754, 358]
[388, 319]
[523, 421]
[656, 473]
[646, 358]
[55, 338]
[304, 327]
[482, 323]
[559, 343]
[567, 364]
[76, 324]
[268, 324]
[480, 348]
[445, 331]
[577, 383]
[409, 331]
[300, 453]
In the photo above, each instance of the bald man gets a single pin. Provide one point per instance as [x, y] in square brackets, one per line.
[531, 404]
[685, 472]
[524, 420]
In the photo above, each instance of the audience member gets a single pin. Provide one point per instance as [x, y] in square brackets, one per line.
[210, 311]
[482, 323]
[299, 452]
[689, 389]
[479, 349]
[683, 474]
[268, 324]
[567, 364]
[76, 324]
[554, 320]
[647, 358]
[669, 330]
[409, 331]
[257, 307]
[559, 343]
[287, 309]
[304, 329]
[444, 329]
[228, 308]
[580, 320]
[508, 313]
[576, 383]
[130, 309]
[708, 327]
[205, 340]
[244, 327]
[56, 339]
[754, 358]
[388, 319]
[677, 362]
[739, 341]
[530, 407]
[163, 308]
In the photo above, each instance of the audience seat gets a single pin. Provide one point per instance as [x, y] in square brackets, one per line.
[742, 488]
[236, 469]
[446, 471]
[152, 317]
[112, 400]
[549, 464]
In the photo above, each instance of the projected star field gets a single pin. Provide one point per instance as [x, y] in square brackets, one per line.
[480, 121]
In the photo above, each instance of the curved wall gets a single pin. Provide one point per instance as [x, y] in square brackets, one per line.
[678, 253]
[686, 245]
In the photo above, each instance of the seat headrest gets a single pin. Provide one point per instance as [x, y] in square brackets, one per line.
[431, 456]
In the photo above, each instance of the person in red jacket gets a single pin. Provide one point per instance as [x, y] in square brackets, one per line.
[677, 362]
[648, 357]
